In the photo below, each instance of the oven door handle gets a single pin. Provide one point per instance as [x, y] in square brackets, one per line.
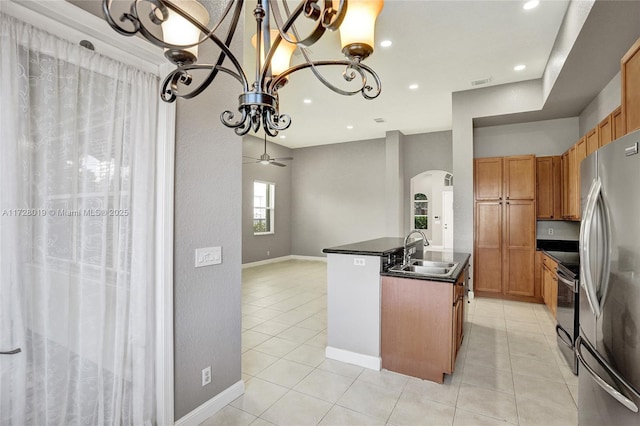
[568, 343]
[617, 395]
[562, 278]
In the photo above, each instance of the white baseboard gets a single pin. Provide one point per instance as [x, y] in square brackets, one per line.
[366, 361]
[212, 406]
[283, 259]
[312, 258]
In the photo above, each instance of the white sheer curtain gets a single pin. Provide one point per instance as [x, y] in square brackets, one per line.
[77, 191]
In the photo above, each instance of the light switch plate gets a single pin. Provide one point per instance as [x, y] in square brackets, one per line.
[208, 256]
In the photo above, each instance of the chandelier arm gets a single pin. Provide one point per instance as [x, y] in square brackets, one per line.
[181, 75]
[106, 11]
[224, 46]
[276, 123]
[362, 69]
[313, 36]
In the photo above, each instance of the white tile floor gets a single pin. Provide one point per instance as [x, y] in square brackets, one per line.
[509, 370]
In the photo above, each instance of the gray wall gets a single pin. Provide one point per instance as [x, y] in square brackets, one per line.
[423, 152]
[255, 247]
[549, 137]
[602, 105]
[337, 195]
[207, 213]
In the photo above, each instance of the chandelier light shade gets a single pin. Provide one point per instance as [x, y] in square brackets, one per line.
[185, 25]
[358, 28]
[179, 31]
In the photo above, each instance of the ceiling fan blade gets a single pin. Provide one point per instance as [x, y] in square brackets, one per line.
[284, 158]
[250, 162]
[277, 164]
[251, 158]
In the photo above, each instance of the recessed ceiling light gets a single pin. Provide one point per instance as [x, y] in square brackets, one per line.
[385, 43]
[349, 127]
[413, 86]
[519, 67]
[283, 136]
[531, 4]
[307, 101]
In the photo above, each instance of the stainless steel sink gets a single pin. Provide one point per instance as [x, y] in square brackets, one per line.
[434, 264]
[427, 268]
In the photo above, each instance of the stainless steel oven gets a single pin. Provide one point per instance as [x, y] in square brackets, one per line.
[567, 313]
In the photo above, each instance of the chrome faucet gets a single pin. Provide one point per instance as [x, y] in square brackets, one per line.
[406, 256]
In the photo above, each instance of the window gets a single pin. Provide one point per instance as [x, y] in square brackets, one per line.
[263, 207]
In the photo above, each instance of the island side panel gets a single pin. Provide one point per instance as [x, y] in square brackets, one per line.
[353, 309]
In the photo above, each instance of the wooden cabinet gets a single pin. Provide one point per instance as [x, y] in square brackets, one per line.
[569, 185]
[487, 178]
[504, 230]
[520, 177]
[550, 283]
[519, 247]
[617, 124]
[592, 141]
[564, 165]
[605, 131]
[488, 247]
[630, 75]
[549, 188]
[422, 326]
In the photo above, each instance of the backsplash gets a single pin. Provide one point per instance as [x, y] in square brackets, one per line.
[562, 230]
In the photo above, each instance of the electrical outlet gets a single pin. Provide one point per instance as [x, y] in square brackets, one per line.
[550, 231]
[358, 261]
[206, 376]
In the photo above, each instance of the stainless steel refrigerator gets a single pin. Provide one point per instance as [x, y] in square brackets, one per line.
[609, 344]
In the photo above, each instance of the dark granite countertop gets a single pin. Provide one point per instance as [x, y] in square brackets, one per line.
[446, 256]
[377, 247]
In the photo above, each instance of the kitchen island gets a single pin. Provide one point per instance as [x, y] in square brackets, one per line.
[354, 295]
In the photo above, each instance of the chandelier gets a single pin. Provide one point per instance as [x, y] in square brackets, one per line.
[180, 26]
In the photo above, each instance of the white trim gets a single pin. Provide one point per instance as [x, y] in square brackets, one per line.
[164, 259]
[74, 24]
[471, 295]
[313, 258]
[366, 361]
[283, 259]
[212, 406]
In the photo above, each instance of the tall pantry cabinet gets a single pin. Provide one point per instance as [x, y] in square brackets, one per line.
[504, 230]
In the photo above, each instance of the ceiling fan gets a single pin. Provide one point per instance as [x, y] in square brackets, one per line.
[266, 159]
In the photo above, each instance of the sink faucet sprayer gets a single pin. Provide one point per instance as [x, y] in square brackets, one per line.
[406, 256]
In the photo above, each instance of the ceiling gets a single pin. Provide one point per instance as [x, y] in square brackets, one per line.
[440, 45]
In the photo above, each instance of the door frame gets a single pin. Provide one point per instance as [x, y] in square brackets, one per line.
[69, 22]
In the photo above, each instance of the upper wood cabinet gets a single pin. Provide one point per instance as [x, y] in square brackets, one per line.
[605, 131]
[617, 124]
[511, 178]
[564, 163]
[487, 179]
[520, 177]
[630, 73]
[592, 142]
[549, 188]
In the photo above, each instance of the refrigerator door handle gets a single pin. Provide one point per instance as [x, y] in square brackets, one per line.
[567, 340]
[585, 250]
[606, 243]
[617, 395]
